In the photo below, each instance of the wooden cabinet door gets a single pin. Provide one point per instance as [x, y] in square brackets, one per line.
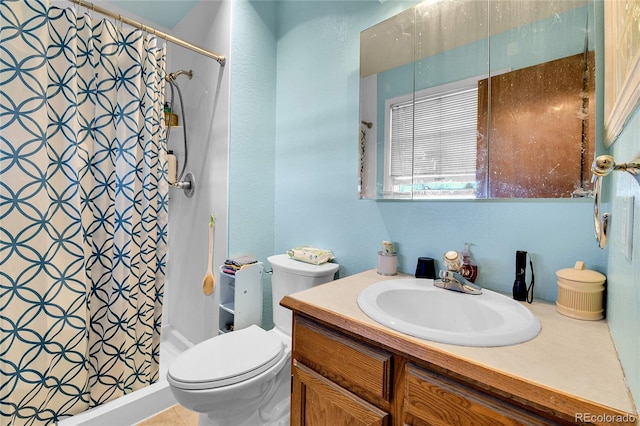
[316, 401]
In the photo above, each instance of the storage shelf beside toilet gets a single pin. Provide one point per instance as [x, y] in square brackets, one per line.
[241, 298]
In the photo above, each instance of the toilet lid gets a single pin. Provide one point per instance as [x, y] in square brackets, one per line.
[226, 359]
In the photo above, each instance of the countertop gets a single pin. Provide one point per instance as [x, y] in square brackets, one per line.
[571, 364]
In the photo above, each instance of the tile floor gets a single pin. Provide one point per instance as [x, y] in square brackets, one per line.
[172, 416]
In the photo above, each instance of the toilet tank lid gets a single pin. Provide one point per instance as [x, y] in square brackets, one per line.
[301, 268]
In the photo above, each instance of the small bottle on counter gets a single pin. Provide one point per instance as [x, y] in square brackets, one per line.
[387, 259]
[469, 269]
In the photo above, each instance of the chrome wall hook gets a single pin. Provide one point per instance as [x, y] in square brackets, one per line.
[603, 166]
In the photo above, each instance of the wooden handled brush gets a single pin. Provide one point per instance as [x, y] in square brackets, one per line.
[209, 282]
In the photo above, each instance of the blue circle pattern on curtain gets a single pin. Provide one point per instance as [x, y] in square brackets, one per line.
[83, 211]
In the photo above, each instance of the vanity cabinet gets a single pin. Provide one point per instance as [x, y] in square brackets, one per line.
[340, 379]
[348, 369]
[240, 298]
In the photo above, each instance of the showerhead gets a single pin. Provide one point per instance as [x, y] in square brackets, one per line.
[173, 75]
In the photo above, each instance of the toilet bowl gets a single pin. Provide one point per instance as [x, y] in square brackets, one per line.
[243, 378]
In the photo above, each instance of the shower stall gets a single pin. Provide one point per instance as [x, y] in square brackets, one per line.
[45, 180]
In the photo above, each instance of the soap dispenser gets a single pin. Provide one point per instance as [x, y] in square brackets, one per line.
[469, 269]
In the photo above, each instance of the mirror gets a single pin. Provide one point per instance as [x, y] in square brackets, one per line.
[468, 99]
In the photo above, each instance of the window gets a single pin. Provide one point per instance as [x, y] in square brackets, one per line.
[432, 151]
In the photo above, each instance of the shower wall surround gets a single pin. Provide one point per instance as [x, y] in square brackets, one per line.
[315, 201]
[206, 99]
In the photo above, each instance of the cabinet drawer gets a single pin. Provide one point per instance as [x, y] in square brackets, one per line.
[431, 399]
[355, 366]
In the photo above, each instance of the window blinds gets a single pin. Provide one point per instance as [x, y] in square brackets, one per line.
[439, 140]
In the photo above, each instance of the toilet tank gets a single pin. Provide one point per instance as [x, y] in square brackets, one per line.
[291, 276]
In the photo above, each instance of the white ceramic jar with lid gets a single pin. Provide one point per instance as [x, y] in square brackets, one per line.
[580, 293]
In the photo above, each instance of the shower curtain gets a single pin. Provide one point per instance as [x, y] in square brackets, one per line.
[83, 211]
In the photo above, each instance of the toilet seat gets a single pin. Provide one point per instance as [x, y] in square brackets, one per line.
[226, 359]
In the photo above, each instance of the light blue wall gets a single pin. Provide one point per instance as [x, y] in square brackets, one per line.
[623, 274]
[252, 134]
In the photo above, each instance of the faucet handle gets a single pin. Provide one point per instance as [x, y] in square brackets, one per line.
[452, 260]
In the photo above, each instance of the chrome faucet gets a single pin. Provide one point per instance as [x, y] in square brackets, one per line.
[451, 280]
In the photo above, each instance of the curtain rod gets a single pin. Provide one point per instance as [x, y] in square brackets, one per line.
[219, 58]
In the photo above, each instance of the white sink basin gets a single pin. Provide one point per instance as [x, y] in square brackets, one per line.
[414, 306]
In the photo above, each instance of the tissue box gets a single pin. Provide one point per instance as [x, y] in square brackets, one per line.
[311, 255]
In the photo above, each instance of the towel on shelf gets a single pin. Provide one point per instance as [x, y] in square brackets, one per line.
[228, 270]
[311, 255]
[240, 261]
[232, 265]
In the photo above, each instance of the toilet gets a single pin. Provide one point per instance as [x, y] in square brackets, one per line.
[243, 378]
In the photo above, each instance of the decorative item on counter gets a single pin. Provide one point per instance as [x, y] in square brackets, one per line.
[169, 117]
[426, 268]
[387, 259]
[520, 290]
[580, 293]
[209, 282]
[233, 265]
[469, 269]
[452, 261]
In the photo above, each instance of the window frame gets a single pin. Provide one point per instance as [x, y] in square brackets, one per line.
[389, 182]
